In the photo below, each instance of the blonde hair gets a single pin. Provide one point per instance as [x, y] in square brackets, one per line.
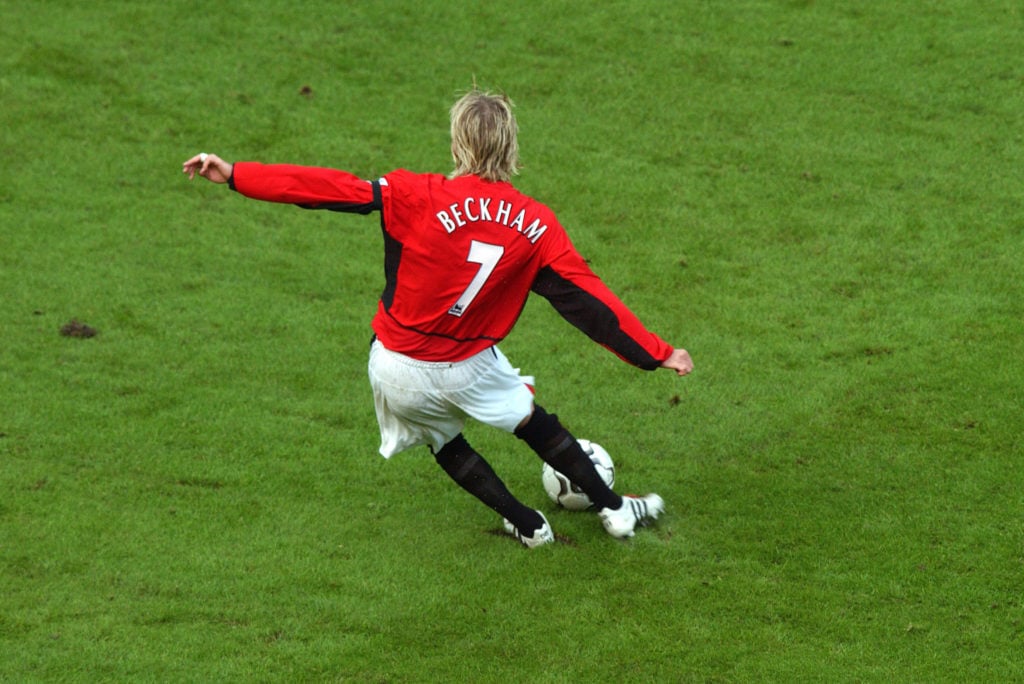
[484, 136]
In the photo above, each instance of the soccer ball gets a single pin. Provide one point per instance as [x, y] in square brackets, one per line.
[565, 493]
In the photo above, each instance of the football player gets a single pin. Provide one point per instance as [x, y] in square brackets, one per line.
[462, 252]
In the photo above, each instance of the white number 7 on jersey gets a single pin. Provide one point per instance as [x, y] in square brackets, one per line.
[487, 255]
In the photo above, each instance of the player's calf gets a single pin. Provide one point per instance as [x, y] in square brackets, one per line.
[557, 447]
[474, 474]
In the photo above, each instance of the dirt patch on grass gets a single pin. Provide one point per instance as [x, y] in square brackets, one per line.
[75, 328]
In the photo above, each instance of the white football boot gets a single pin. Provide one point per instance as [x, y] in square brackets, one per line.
[543, 534]
[635, 510]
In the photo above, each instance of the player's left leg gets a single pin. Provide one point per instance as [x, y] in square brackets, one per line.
[472, 472]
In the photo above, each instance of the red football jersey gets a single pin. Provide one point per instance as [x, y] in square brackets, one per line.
[461, 256]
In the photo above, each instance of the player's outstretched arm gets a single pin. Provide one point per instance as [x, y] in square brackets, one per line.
[209, 166]
[679, 361]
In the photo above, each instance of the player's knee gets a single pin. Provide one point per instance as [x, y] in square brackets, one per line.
[526, 420]
[453, 450]
[544, 433]
[457, 458]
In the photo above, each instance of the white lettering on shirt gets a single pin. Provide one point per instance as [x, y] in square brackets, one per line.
[455, 212]
[467, 211]
[504, 209]
[446, 221]
[517, 222]
[534, 231]
[485, 215]
[477, 209]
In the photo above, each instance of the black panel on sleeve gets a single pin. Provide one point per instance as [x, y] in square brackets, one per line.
[592, 316]
[352, 208]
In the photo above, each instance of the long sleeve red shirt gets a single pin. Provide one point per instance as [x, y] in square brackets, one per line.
[461, 256]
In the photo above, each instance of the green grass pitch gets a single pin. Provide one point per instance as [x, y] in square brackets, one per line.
[821, 200]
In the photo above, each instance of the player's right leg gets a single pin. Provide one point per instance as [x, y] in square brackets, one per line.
[635, 510]
[500, 397]
[557, 447]
[620, 515]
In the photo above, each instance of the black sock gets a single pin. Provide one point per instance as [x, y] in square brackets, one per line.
[558, 448]
[469, 469]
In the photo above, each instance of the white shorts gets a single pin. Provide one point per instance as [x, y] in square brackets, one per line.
[422, 402]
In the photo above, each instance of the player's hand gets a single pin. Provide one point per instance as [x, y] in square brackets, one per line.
[679, 361]
[209, 166]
